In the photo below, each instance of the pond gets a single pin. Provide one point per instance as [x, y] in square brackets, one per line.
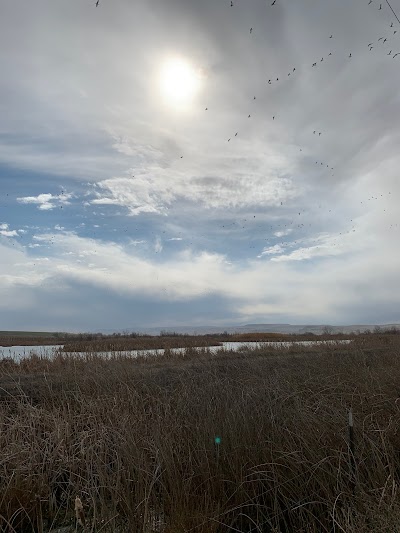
[19, 352]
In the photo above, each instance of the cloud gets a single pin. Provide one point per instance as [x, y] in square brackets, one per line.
[283, 233]
[272, 250]
[6, 232]
[47, 201]
[158, 245]
[257, 288]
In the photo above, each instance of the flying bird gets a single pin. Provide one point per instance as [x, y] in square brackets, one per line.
[273, 118]
[206, 108]
[389, 53]
[228, 140]
[314, 64]
[97, 3]
[269, 81]
[350, 55]
[331, 37]
[370, 44]
[319, 134]
[314, 132]
[236, 134]
[398, 53]
[380, 38]
[380, 6]
[322, 59]
[251, 30]
[384, 40]
[248, 116]
[370, 2]
[330, 53]
[273, 3]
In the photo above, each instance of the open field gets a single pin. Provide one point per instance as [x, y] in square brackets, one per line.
[135, 439]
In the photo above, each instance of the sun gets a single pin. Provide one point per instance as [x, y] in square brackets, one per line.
[179, 82]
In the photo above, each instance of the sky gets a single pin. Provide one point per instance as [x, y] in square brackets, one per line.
[179, 163]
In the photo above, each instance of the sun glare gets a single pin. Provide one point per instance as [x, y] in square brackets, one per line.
[179, 83]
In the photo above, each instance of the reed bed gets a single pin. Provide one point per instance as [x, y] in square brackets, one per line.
[255, 441]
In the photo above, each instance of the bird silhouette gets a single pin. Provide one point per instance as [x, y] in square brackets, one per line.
[248, 116]
[395, 31]
[314, 132]
[254, 98]
[370, 2]
[314, 64]
[206, 108]
[398, 53]
[273, 118]
[236, 134]
[349, 55]
[370, 44]
[251, 30]
[331, 37]
[231, 4]
[389, 53]
[181, 156]
[273, 3]
[322, 59]
[384, 40]
[97, 3]
[228, 140]
[391, 25]
[330, 53]
[319, 134]
[380, 6]
[380, 38]
[269, 81]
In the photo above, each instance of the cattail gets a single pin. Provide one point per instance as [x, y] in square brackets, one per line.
[80, 515]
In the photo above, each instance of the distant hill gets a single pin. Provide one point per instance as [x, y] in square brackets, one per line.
[317, 329]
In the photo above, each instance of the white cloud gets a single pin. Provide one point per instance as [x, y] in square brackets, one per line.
[283, 233]
[46, 201]
[6, 232]
[158, 247]
[272, 250]
[259, 288]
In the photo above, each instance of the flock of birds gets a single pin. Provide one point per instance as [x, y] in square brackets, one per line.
[278, 78]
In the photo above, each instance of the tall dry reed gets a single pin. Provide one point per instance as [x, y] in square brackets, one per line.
[136, 440]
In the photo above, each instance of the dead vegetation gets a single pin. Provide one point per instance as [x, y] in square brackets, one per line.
[248, 442]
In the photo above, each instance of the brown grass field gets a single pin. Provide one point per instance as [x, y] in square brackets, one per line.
[134, 439]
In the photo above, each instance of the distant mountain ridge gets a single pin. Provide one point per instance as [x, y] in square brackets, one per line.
[317, 329]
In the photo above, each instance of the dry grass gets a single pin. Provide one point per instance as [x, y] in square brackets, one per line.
[135, 440]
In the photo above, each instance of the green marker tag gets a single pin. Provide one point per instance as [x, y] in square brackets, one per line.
[217, 440]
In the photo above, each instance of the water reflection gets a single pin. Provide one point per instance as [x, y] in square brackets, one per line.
[19, 352]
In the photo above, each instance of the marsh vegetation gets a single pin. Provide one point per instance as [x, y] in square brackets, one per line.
[254, 441]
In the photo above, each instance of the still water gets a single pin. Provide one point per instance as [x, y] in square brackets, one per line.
[19, 352]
